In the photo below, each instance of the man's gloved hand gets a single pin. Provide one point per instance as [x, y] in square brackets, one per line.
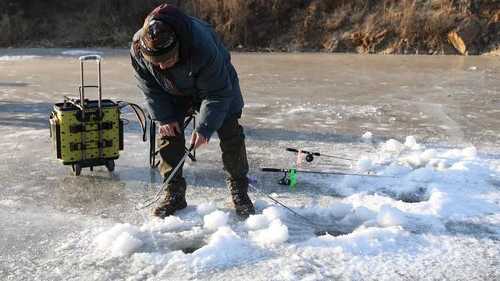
[198, 140]
[170, 129]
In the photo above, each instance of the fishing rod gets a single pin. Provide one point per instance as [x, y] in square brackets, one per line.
[161, 189]
[290, 175]
[306, 220]
[310, 155]
[155, 151]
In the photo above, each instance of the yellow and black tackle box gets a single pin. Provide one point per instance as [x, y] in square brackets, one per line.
[87, 133]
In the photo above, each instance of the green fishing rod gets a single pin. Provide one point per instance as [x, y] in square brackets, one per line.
[290, 175]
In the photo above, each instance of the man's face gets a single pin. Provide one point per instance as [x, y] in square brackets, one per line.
[170, 62]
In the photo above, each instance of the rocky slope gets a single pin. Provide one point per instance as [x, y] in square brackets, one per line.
[385, 26]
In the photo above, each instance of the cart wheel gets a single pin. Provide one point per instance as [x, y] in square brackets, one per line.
[110, 165]
[77, 169]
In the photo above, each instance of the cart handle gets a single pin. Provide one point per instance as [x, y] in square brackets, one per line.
[90, 57]
[82, 59]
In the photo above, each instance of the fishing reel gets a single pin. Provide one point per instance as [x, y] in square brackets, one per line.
[289, 178]
[284, 180]
[309, 155]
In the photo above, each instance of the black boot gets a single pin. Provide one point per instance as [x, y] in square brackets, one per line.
[242, 203]
[175, 199]
[234, 158]
[171, 152]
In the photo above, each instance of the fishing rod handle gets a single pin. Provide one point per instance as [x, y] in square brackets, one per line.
[273, 170]
[302, 151]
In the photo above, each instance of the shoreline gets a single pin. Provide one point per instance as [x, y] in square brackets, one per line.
[75, 51]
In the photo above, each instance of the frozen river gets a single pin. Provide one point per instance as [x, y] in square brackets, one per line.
[431, 124]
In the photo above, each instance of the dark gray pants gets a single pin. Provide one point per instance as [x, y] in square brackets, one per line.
[234, 156]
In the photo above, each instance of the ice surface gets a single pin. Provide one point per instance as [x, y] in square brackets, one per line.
[79, 52]
[430, 209]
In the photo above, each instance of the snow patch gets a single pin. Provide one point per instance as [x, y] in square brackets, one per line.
[363, 214]
[169, 223]
[225, 248]
[205, 208]
[120, 240]
[275, 233]
[257, 222]
[364, 164]
[9, 203]
[260, 204]
[367, 136]
[411, 143]
[215, 220]
[469, 152]
[16, 58]
[80, 52]
[392, 146]
[125, 244]
[273, 213]
[364, 241]
[389, 216]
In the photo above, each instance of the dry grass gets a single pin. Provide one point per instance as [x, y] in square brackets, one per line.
[418, 25]
[335, 25]
[54, 23]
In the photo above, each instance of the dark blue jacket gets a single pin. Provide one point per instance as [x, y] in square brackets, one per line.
[204, 72]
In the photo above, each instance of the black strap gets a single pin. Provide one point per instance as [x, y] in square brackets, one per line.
[152, 143]
[83, 128]
[139, 113]
[78, 146]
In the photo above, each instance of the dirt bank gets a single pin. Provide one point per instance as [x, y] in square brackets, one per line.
[368, 26]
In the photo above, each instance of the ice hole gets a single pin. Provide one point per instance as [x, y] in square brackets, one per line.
[187, 246]
[331, 231]
[416, 196]
[473, 229]
[190, 250]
